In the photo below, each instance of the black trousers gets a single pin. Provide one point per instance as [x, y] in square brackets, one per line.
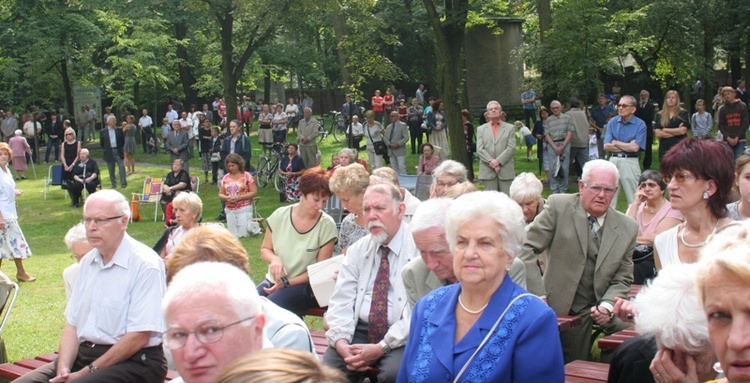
[145, 366]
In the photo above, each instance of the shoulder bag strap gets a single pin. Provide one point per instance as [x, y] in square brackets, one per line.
[489, 334]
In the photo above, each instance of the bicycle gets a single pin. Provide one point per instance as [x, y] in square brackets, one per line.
[268, 167]
[337, 128]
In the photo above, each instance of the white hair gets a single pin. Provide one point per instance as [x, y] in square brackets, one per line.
[599, 166]
[111, 117]
[488, 204]
[111, 196]
[494, 102]
[17, 132]
[555, 103]
[728, 250]
[669, 310]
[449, 168]
[526, 186]
[430, 213]
[385, 187]
[227, 279]
[76, 234]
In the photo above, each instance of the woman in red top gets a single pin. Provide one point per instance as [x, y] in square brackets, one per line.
[388, 100]
[377, 106]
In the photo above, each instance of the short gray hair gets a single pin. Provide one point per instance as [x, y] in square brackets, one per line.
[385, 187]
[76, 234]
[430, 213]
[449, 168]
[228, 279]
[599, 166]
[349, 153]
[494, 102]
[669, 310]
[555, 102]
[488, 204]
[111, 196]
[526, 186]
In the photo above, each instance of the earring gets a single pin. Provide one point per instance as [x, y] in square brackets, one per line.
[705, 195]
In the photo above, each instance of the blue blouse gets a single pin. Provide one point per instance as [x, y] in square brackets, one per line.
[525, 347]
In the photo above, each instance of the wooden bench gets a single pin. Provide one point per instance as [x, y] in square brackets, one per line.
[612, 342]
[11, 371]
[581, 371]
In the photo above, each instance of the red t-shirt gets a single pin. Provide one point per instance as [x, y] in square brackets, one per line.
[377, 104]
[388, 98]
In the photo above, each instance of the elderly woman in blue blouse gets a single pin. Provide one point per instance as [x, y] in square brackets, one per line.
[484, 328]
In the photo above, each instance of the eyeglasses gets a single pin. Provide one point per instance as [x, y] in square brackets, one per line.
[679, 177]
[446, 184]
[206, 333]
[607, 190]
[69, 134]
[625, 105]
[98, 221]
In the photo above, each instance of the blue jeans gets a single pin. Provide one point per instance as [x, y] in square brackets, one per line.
[50, 143]
[738, 150]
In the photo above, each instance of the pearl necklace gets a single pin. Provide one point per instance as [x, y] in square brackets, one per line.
[461, 303]
[693, 246]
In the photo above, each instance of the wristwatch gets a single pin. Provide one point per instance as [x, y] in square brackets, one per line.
[92, 368]
[285, 281]
[385, 347]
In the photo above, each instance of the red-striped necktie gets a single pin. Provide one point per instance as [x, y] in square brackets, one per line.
[378, 319]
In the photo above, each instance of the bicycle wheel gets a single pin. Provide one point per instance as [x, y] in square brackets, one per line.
[279, 181]
[338, 126]
[322, 132]
[262, 171]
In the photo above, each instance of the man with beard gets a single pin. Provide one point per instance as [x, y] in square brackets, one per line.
[366, 310]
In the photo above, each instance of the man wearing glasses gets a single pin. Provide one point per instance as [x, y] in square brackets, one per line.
[589, 256]
[624, 138]
[113, 320]
[213, 316]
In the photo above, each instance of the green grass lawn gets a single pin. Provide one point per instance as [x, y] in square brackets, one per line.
[37, 319]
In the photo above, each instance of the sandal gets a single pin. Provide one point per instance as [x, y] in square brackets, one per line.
[25, 279]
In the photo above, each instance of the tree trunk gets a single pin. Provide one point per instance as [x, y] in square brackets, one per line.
[187, 79]
[228, 79]
[449, 44]
[544, 13]
[338, 21]
[267, 86]
[136, 96]
[68, 89]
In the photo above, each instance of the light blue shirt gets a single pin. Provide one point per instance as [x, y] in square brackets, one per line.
[528, 96]
[634, 129]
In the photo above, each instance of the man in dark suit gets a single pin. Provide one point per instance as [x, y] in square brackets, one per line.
[112, 141]
[645, 112]
[589, 255]
[54, 131]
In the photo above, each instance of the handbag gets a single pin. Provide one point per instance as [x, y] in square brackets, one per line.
[378, 146]
[65, 184]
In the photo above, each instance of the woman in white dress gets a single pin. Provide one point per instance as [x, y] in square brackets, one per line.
[373, 133]
[699, 176]
[438, 123]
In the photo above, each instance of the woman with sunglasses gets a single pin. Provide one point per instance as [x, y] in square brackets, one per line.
[699, 175]
[654, 215]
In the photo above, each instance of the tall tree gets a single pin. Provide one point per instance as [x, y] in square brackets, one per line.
[256, 22]
[449, 29]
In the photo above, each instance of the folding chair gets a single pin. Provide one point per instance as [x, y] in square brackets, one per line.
[195, 184]
[422, 191]
[54, 178]
[151, 194]
[8, 294]
[334, 209]
[408, 182]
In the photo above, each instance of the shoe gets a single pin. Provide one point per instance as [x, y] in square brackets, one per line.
[221, 217]
[23, 177]
[25, 279]
[124, 186]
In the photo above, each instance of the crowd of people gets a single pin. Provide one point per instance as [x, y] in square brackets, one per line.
[464, 286]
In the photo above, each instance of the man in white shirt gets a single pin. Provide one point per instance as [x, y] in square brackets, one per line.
[365, 315]
[147, 130]
[113, 320]
[213, 316]
[171, 114]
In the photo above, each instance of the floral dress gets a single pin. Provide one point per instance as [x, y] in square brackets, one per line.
[291, 192]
